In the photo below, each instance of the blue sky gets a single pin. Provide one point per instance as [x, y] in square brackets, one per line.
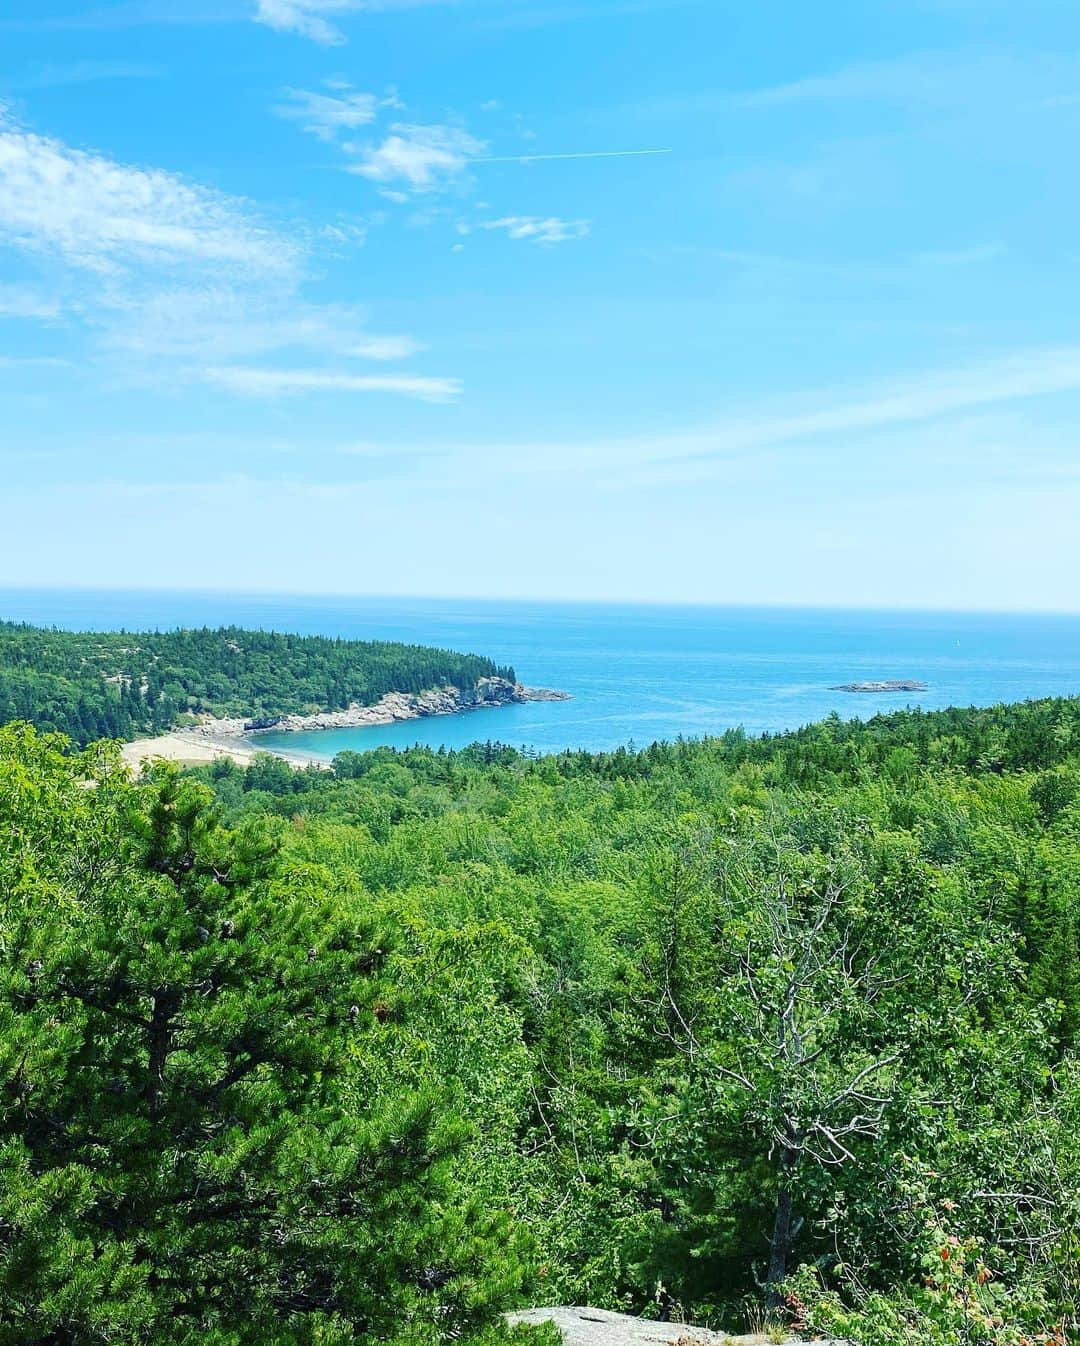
[641, 299]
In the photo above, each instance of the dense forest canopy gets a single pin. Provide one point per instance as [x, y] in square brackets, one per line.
[781, 1027]
[92, 685]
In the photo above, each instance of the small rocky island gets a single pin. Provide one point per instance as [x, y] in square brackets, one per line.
[898, 685]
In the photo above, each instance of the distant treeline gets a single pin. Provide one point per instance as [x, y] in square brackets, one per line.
[1038, 735]
[119, 684]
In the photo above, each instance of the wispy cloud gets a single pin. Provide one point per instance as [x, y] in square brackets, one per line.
[306, 18]
[135, 14]
[849, 419]
[413, 160]
[973, 256]
[94, 212]
[282, 382]
[17, 302]
[32, 361]
[162, 278]
[895, 269]
[922, 75]
[538, 228]
[417, 159]
[385, 348]
[1027, 374]
[931, 79]
[313, 19]
[326, 115]
[931, 397]
[579, 154]
[196, 324]
[409, 160]
[56, 74]
[538, 16]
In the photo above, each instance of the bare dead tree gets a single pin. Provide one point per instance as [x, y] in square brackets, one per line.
[792, 1028]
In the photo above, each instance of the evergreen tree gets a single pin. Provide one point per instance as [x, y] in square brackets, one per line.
[91, 684]
[189, 1147]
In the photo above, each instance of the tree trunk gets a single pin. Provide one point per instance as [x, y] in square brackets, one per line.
[159, 1043]
[783, 1234]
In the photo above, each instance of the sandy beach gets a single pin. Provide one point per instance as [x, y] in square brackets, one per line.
[198, 749]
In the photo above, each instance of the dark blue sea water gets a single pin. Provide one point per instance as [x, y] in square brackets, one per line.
[636, 673]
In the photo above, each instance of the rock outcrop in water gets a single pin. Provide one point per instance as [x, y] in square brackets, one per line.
[392, 707]
[901, 685]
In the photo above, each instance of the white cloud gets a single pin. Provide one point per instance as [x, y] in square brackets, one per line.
[94, 212]
[539, 228]
[278, 382]
[347, 233]
[161, 277]
[312, 18]
[417, 158]
[386, 348]
[305, 18]
[325, 115]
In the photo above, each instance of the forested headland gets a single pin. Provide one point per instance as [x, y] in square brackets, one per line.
[121, 684]
[745, 1030]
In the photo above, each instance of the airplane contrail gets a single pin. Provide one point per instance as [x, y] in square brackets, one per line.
[587, 154]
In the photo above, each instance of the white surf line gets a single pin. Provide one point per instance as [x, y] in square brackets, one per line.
[586, 154]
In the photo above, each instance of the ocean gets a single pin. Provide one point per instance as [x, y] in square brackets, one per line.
[636, 674]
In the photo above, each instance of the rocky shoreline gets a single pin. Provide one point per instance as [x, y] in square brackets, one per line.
[394, 706]
[238, 738]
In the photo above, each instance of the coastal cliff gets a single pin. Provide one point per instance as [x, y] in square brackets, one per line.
[393, 706]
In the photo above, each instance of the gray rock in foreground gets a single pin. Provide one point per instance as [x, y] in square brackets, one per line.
[599, 1327]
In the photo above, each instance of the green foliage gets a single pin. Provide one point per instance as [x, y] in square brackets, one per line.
[959, 1297]
[191, 1149]
[849, 945]
[764, 1022]
[120, 684]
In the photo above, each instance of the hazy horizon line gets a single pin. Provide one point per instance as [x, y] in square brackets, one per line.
[549, 600]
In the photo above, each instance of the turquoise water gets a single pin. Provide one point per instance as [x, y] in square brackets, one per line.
[636, 673]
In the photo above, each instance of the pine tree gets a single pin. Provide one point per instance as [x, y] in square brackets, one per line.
[188, 1149]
